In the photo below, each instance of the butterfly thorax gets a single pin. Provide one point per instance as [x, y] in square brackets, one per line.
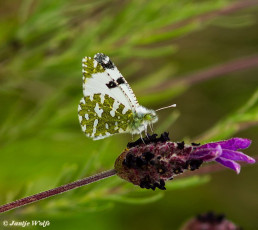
[142, 117]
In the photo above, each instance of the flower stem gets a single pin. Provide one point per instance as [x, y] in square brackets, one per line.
[244, 63]
[227, 10]
[58, 190]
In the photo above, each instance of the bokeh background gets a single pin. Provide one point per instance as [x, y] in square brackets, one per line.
[201, 55]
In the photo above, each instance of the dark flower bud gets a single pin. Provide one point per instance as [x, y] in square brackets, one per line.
[210, 221]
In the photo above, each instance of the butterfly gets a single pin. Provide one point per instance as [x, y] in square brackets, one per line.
[109, 105]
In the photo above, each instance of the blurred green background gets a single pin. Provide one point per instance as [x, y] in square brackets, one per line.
[201, 55]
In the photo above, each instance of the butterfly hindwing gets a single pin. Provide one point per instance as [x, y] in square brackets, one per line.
[102, 116]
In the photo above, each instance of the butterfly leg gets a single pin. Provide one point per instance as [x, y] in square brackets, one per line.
[151, 128]
[142, 138]
[146, 131]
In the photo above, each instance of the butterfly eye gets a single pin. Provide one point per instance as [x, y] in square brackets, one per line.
[148, 116]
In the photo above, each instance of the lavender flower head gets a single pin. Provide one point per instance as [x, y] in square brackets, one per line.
[210, 221]
[148, 163]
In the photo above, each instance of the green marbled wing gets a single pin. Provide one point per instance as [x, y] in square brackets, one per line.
[101, 116]
[89, 67]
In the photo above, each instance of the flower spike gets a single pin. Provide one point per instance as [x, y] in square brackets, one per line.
[210, 221]
[151, 161]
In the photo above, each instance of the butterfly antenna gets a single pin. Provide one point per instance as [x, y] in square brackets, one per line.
[170, 106]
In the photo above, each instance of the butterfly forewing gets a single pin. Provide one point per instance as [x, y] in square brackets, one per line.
[122, 86]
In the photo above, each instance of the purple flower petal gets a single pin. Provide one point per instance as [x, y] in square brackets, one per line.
[232, 144]
[207, 154]
[235, 143]
[236, 156]
[229, 163]
[229, 154]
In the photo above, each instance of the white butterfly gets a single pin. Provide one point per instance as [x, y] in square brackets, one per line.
[109, 105]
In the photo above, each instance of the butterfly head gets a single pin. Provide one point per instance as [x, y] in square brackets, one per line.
[142, 118]
[150, 116]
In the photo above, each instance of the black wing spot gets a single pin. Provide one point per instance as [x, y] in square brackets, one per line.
[109, 65]
[104, 61]
[120, 81]
[111, 84]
